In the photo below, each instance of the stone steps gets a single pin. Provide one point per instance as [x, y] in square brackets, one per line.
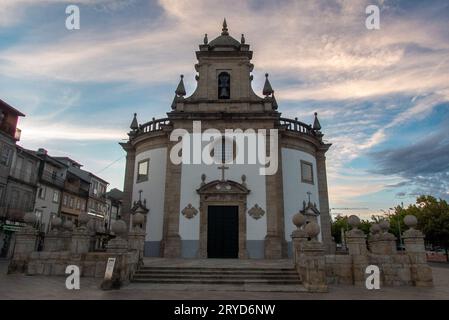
[214, 275]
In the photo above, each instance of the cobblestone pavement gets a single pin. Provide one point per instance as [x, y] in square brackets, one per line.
[18, 286]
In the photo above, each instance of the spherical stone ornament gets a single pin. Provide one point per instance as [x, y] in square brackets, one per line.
[83, 218]
[312, 229]
[56, 223]
[354, 221]
[30, 218]
[68, 225]
[138, 218]
[375, 228]
[384, 225]
[119, 227]
[410, 221]
[299, 219]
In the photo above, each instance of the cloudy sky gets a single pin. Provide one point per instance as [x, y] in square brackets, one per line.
[382, 95]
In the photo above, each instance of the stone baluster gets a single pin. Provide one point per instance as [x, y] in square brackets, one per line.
[421, 273]
[80, 241]
[356, 242]
[311, 263]
[24, 245]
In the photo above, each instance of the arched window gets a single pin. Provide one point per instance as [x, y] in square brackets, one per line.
[224, 85]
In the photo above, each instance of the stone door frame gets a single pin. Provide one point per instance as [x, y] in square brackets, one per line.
[223, 193]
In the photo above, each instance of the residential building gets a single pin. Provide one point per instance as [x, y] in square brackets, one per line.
[9, 135]
[52, 175]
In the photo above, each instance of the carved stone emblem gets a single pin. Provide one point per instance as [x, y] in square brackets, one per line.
[256, 212]
[189, 212]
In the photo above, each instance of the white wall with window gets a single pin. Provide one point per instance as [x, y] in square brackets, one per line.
[299, 176]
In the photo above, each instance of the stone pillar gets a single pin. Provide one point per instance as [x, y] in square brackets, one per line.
[24, 245]
[298, 236]
[275, 244]
[118, 244]
[381, 241]
[171, 242]
[324, 202]
[80, 236]
[356, 243]
[53, 240]
[421, 273]
[66, 236]
[311, 263]
[136, 238]
[129, 181]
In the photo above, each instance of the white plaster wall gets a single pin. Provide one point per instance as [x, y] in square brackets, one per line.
[189, 229]
[295, 191]
[153, 190]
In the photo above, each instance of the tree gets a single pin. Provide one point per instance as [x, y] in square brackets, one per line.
[341, 223]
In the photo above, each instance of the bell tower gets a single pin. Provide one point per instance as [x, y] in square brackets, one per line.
[223, 79]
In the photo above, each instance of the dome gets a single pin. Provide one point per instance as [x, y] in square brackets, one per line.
[224, 41]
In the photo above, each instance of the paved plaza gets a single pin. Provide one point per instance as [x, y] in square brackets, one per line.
[18, 286]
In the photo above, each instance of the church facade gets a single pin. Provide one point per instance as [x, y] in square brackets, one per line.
[228, 208]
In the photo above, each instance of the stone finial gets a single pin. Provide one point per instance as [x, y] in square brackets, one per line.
[316, 123]
[354, 221]
[224, 30]
[134, 124]
[410, 221]
[374, 229]
[189, 211]
[312, 229]
[242, 39]
[181, 90]
[203, 179]
[83, 219]
[256, 212]
[299, 220]
[68, 225]
[205, 40]
[119, 227]
[30, 218]
[56, 223]
[138, 219]
[244, 179]
[267, 89]
[384, 225]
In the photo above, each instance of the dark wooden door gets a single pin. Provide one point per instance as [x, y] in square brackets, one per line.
[222, 232]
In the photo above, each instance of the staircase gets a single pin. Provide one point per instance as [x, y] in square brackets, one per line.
[220, 273]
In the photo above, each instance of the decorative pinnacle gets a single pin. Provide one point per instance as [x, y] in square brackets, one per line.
[181, 90]
[134, 123]
[267, 89]
[224, 31]
[205, 39]
[316, 123]
[242, 40]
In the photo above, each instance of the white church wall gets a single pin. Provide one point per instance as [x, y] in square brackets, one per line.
[295, 191]
[153, 190]
[189, 229]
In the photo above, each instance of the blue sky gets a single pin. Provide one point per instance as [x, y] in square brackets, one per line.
[382, 96]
